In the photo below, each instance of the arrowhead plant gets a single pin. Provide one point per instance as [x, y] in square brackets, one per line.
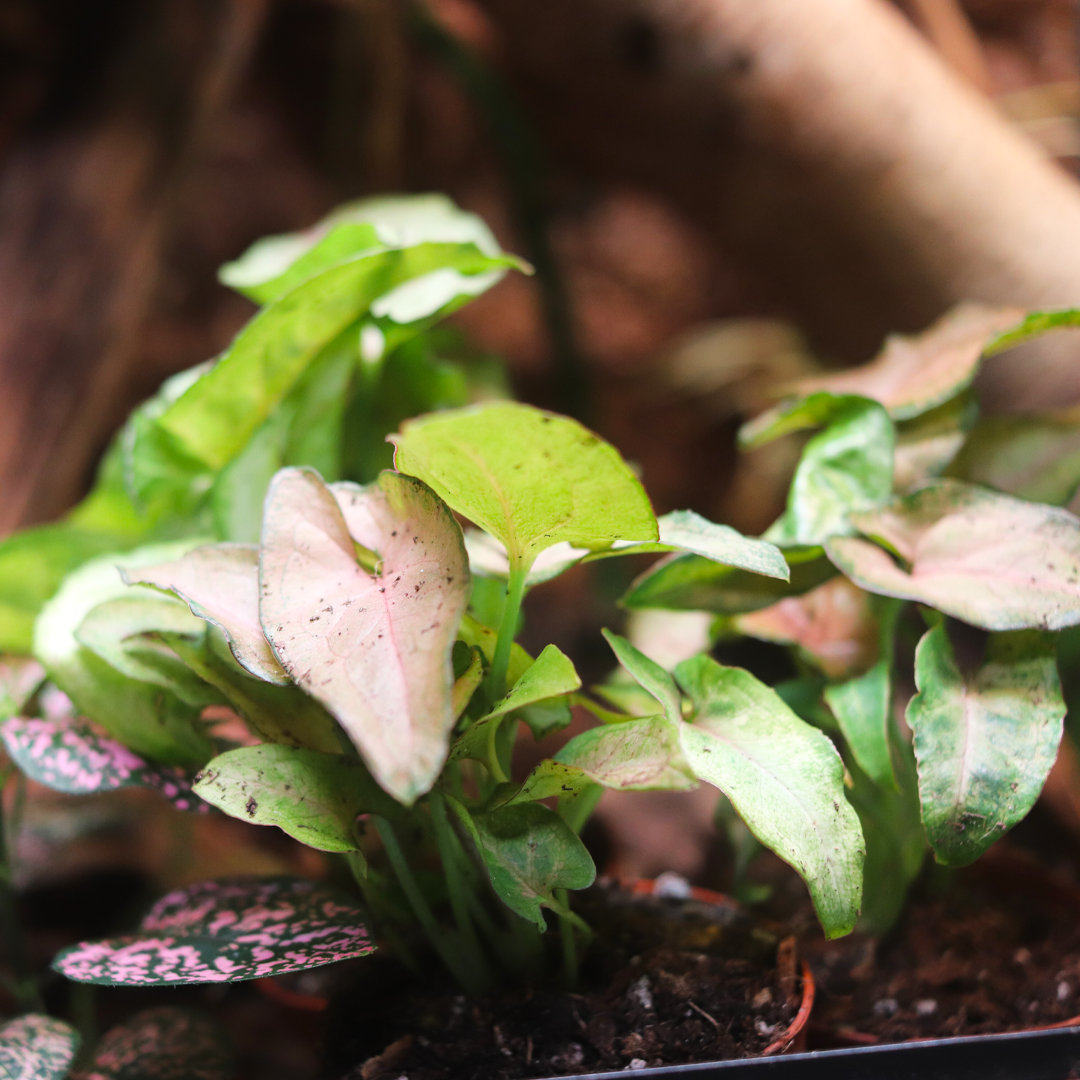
[245, 550]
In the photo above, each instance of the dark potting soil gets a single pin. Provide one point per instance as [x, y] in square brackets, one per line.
[999, 952]
[665, 982]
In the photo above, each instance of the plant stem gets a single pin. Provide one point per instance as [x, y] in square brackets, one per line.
[569, 943]
[379, 907]
[461, 966]
[456, 886]
[515, 593]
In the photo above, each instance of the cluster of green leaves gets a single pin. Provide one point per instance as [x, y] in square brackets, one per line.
[253, 555]
[913, 498]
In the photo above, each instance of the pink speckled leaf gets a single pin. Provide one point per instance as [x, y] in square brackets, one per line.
[374, 648]
[66, 754]
[220, 583]
[36, 1047]
[226, 931]
[165, 1043]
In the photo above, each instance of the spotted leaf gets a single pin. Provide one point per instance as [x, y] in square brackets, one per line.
[36, 1047]
[67, 754]
[226, 931]
[374, 648]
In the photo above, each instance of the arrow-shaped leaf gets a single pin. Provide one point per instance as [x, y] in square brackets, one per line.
[529, 478]
[220, 583]
[315, 798]
[637, 755]
[991, 560]
[551, 675]
[529, 852]
[37, 1047]
[648, 674]
[226, 931]
[784, 778]
[374, 649]
[984, 743]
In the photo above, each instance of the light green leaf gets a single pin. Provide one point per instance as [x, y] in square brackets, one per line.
[846, 468]
[374, 649]
[551, 675]
[916, 373]
[784, 778]
[529, 852]
[466, 684]
[151, 721]
[984, 743]
[550, 779]
[315, 798]
[895, 842]
[1032, 457]
[1034, 324]
[220, 583]
[686, 531]
[637, 755]
[693, 583]
[276, 264]
[481, 637]
[125, 634]
[214, 419]
[863, 707]
[37, 1047]
[992, 560]
[276, 714]
[648, 674]
[529, 478]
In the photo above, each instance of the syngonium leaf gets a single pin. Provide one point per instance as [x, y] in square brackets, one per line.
[68, 755]
[784, 778]
[680, 531]
[212, 421]
[165, 1043]
[127, 634]
[988, 559]
[985, 742]
[845, 468]
[834, 625]
[226, 931]
[914, 374]
[692, 583]
[550, 676]
[37, 1047]
[895, 842]
[648, 674]
[149, 719]
[1034, 324]
[529, 478]
[375, 649]
[636, 755]
[529, 852]
[220, 583]
[274, 265]
[315, 798]
[1032, 457]
[863, 707]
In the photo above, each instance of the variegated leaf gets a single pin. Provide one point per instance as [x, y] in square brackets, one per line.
[36, 1047]
[375, 649]
[226, 931]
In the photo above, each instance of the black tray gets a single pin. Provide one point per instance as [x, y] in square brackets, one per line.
[1025, 1055]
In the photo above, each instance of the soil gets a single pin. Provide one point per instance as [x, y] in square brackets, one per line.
[1000, 951]
[666, 982]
